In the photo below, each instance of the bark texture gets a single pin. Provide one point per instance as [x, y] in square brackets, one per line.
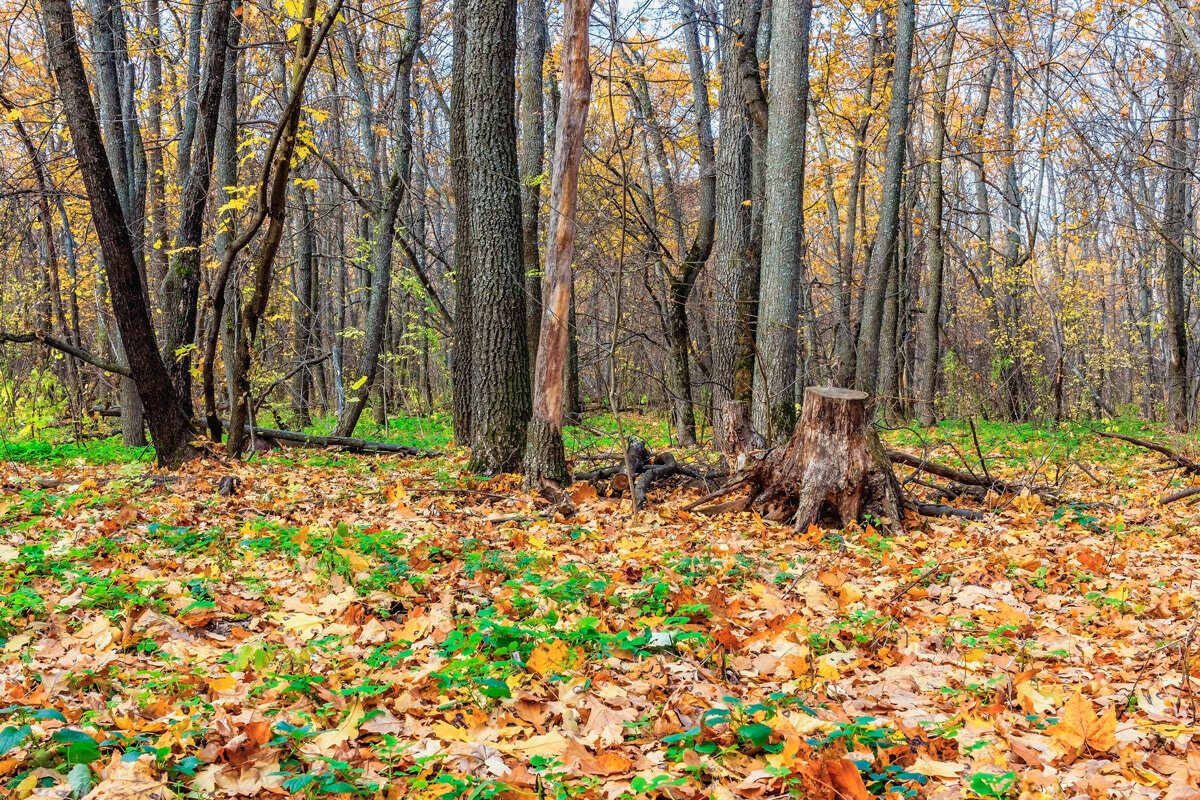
[833, 466]
[545, 459]
[774, 410]
[170, 429]
[500, 405]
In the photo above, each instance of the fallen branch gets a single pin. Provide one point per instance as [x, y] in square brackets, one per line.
[41, 337]
[1179, 495]
[345, 442]
[968, 479]
[1182, 462]
[939, 510]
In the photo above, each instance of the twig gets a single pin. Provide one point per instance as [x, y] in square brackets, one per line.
[979, 450]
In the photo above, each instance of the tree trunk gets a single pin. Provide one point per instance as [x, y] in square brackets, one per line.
[844, 338]
[937, 246]
[735, 436]
[532, 157]
[734, 163]
[545, 458]
[774, 410]
[500, 406]
[170, 429]
[1175, 227]
[302, 310]
[833, 467]
[464, 323]
[182, 286]
[871, 322]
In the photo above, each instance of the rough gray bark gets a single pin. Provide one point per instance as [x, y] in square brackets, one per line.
[459, 181]
[500, 404]
[774, 409]
[169, 427]
[937, 248]
[731, 324]
[532, 156]
[871, 323]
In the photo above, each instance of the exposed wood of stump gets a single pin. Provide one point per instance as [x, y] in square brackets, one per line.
[832, 467]
[735, 436]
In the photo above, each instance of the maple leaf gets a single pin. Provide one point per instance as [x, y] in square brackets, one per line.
[1078, 725]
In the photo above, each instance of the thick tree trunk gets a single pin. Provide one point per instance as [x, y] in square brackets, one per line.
[500, 405]
[464, 323]
[731, 323]
[170, 429]
[735, 436]
[833, 467]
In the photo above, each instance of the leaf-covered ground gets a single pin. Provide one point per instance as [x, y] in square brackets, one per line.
[396, 628]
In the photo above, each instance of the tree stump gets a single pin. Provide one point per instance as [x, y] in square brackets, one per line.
[735, 437]
[832, 468]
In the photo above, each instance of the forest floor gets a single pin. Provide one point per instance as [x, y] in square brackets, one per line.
[393, 627]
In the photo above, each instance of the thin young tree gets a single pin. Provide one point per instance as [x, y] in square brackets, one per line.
[545, 459]
[883, 251]
[937, 245]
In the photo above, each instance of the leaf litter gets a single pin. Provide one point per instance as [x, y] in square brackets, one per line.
[351, 628]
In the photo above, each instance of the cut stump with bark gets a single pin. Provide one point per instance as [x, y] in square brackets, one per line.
[832, 468]
[735, 437]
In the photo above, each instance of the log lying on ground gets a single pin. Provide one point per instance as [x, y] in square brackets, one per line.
[1182, 462]
[969, 483]
[345, 442]
[1178, 461]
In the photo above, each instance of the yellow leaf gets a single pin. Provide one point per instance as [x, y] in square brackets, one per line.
[936, 769]
[553, 656]
[356, 561]
[344, 732]
[1078, 725]
[223, 684]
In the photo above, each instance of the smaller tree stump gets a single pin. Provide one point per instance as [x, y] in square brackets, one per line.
[736, 438]
[832, 467]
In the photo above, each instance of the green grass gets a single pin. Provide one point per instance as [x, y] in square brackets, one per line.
[1021, 445]
[50, 450]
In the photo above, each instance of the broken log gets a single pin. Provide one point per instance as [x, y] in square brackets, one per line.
[345, 442]
[970, 483]
[1180, 461]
